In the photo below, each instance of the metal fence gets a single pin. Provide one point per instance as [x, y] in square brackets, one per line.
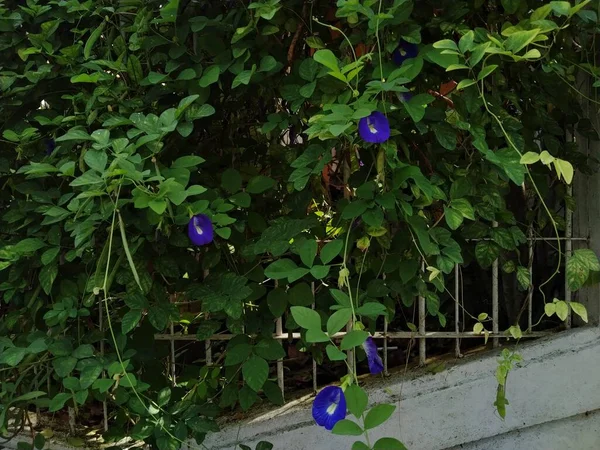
[421, 335]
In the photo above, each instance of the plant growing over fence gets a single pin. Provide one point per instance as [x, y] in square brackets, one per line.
[231, 156]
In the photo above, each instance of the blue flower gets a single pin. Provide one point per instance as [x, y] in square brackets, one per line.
[404, 96]
[50, 146]
[329, 407]
[374, 128]
[373, 358]
[200, 230]
[404, 51]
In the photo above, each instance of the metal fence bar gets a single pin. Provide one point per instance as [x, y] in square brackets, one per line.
[495, 291]
[530, 289]
[314, 363]
[568, 248]
[173, 367]
[279, 332]
[537, 239]
[422, 330]
[207, 342]
[376, 335]
[101, 326]
[456, 310]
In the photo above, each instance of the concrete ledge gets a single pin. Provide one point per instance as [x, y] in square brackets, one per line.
[558, 379]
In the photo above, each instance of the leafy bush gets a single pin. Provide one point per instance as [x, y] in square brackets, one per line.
[123, 119]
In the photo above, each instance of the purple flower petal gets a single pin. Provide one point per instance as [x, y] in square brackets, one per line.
[373, 358]
[404, 96]
[200, 230]
[404, 51]
[329, 407]
[374, 128]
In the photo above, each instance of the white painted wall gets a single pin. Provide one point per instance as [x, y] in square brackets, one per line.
[558, 383]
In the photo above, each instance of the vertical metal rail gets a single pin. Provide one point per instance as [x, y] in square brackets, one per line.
[314, 363]
[385, 341]
[279, 332]
[568, 251]
[495, 309]
[530, 289]
[207, 342]
[101, 326]
[456, 309]
[173, 367]
[422, 313]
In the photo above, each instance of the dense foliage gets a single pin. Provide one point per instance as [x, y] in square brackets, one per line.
[122, 119]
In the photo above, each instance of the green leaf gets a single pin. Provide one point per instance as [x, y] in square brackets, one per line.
[64, 365]
[277, 301]
[90, 373]
[465, 43]
[314, 335]
[87, 50]
[446, 44]
[273, 393]
[562, 310]
[269, 349]
[354, 209]
[50, 255]
[486, 71]
[454, 218]
[260, 184]
[388, 443]
[187, 161]
[130, 320]
[353, 339]
[58, 402]
[237, 353]
[549, 309]
[346, 427]
[327, 58]
[231, 180]
[578, 267]
[13, 356]
[96, 159]
[242, 78]
[378, 414]
[356, 400]
[300, 295]
[282, 268]
[308, 251]
[464, 207]
[306, 317]
[530, 158]
[511, 6]
[255, 371]
[486, 253]
[465, 84]
[564, 169]
[340, 297]
[307, 90]
[337, 320]
[47, 276]
[334, 354]
[523, 277]
[319, 272]
[416, 106]
[580, 310]
[521, 39]
[359, 445]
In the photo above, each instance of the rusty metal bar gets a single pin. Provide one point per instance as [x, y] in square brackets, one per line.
[377, 335]
[530, 290]
[422, 331]
[495, 291]
[457, 310]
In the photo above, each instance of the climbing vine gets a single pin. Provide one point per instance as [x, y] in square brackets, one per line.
[209, 167]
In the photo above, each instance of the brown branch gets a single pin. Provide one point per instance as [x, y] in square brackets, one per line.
[292, 49]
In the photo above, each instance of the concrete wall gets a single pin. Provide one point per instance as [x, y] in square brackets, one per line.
[554, 404]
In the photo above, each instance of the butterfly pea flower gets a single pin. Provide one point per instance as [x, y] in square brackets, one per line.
[404, 96]
[373, 358]
[50, 146]
[329, 407]
[404, 51]
[374, 128]
[200, 230]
